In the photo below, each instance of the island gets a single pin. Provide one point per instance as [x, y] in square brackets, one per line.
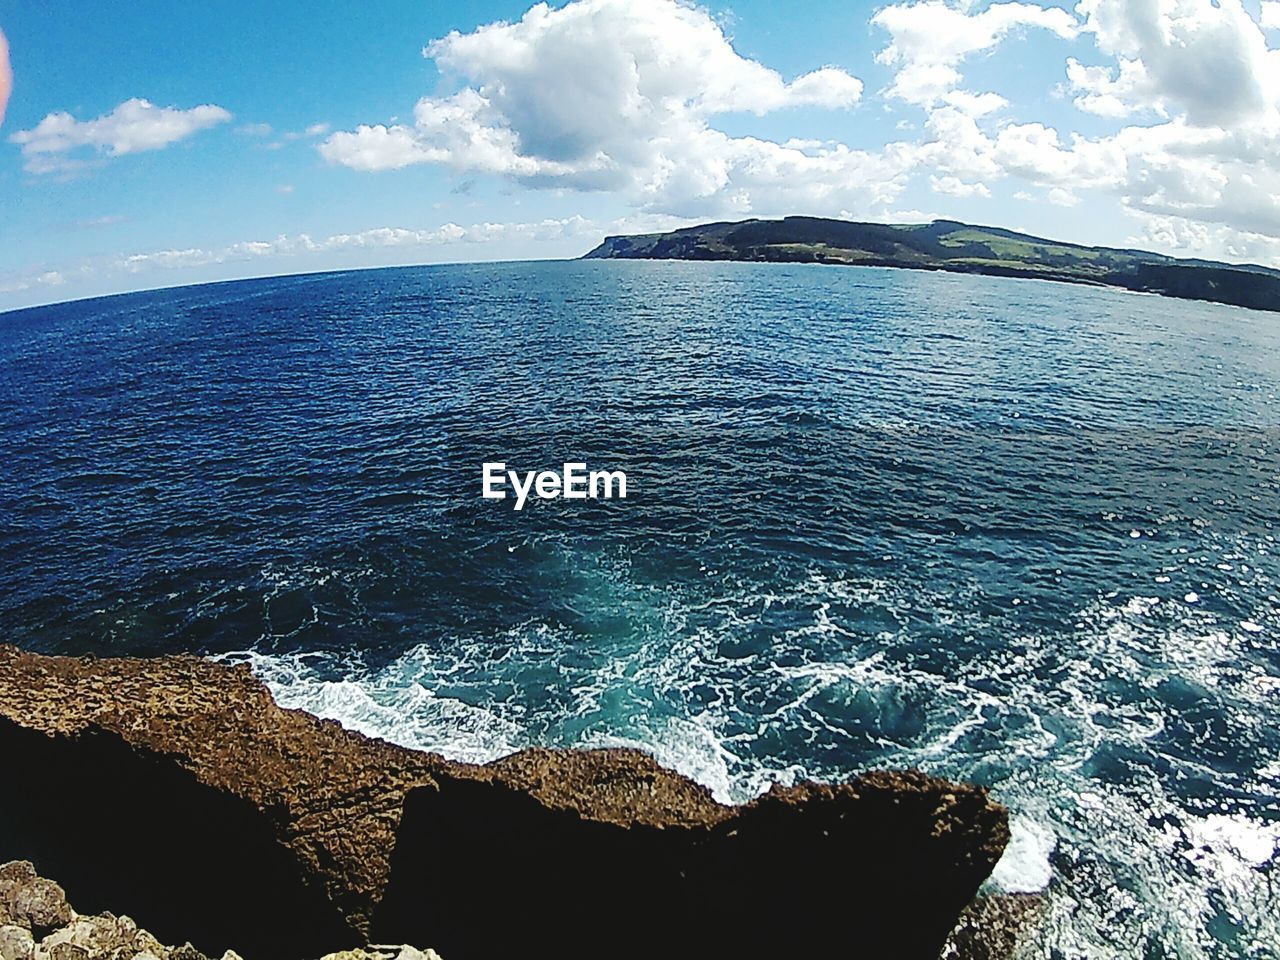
[955, 247]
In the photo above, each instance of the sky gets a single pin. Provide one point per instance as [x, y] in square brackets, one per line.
[152, 144]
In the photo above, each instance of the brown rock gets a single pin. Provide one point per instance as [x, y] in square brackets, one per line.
[16, 943]
[993, 926]
[38, 904]
[106, 937]
[16, 871]
[178, 790]
[63, 951]
[12, 875]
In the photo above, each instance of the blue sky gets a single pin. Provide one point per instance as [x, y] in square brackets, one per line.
[154, 144]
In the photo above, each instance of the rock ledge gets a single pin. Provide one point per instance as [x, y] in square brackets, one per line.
[177, 789]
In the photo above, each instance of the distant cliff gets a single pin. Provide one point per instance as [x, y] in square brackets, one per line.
[956, 247]
[176, 789]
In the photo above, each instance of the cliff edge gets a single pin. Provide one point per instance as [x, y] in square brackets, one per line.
[177, 790]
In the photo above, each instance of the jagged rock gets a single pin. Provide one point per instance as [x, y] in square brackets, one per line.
[17, 871]
[12, 875]
[107, 936]
[177, 789]
[38, 904]
[16, 943]
[101, 937]
[993, 926]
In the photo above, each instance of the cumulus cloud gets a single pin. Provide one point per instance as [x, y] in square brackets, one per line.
[132, 127]
[1205, 59]
[1191, 238]
[1173, 169]
[607, 95]
[623, 97]
[1062, 198]
[1198, 72]
[955, 187]
[930, 40]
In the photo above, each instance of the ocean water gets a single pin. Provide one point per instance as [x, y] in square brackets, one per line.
[1012, 532]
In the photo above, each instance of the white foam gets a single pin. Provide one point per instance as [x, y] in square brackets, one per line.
[383, 706]
[1030, 716]
[1234, 841]
[1025, 866]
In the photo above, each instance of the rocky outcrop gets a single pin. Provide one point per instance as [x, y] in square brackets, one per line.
[178, 790]
[995, 927]
[37, 923]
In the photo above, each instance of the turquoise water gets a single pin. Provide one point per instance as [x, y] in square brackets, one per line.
[1013, 532]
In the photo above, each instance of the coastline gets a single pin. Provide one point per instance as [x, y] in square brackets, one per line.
[177, 791]
[950, 246]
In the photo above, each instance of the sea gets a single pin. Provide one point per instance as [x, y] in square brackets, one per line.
[1013, 532]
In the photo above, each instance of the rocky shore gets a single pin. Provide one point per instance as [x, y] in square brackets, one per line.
[177, 790]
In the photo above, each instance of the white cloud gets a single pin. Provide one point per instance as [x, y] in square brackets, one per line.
[974, 104]
[378, 148]
[611, 95]
[1208, 175]
[132, 127]
[955, 187]
[1206, 59]
[46, 278]
[379, 237]
[1112, 93]
[929, 40]
[360, 248]
[1201, 70]
[1183, 237]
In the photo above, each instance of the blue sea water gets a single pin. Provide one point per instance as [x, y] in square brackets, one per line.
[1014, 532]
